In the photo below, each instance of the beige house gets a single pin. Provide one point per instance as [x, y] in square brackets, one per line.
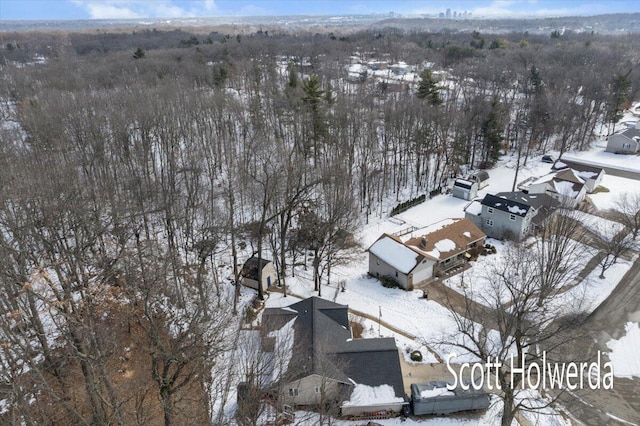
[256, 272]
[441, 250]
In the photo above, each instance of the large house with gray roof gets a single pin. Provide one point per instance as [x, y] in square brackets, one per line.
[510, 215]
[325, 364]
[625, 142]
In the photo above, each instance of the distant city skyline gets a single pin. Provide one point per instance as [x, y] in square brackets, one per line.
[156, 9]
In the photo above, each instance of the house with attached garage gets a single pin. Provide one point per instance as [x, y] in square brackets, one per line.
[625, 142]
[511, 215]
[435, 251]
[564, 185]
[320, 362]
[591, 175]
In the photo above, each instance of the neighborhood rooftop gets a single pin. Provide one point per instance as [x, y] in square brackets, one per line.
[323, 345]
[447, 241]
[506, 204]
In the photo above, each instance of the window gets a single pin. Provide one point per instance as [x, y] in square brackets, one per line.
[378, 262]
[293, 391]
[396, 273]
[490, 210]
[512, 217]
[489, 222]
[317, 389]
[626, 146]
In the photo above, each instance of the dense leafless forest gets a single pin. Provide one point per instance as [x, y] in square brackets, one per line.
[135, 165]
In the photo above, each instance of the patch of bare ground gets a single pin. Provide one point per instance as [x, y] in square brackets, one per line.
[60, 390]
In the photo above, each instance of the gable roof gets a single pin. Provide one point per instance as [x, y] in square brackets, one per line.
[631, 133]
[447, 241]
[568, 175]
[582, 170]
[323, 346]
[506, 204]
[543, 203]
[250, 268]
[394, 253]
[564, 182]
[537, 201]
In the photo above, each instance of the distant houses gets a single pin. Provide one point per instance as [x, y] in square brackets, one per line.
[442, 250]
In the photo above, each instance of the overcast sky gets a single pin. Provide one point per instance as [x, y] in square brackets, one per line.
[136, 9]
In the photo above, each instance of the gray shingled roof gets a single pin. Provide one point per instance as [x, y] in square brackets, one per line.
[323, 345]
[506, 205]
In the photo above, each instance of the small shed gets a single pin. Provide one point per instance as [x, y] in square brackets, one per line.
[465, 189]
[251, 276]
[435, 398]
[481, 177]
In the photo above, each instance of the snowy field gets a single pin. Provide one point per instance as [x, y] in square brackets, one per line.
[616, 186]
[426, 320]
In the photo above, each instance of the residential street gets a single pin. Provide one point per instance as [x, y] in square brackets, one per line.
[613, 171]
[605, 323]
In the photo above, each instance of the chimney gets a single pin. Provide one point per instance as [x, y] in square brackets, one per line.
[423, 243]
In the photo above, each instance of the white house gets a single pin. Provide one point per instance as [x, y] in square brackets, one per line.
[443, 249]
[592, 176]
[389, 257]
[564, 185]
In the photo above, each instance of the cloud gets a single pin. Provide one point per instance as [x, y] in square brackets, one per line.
[128, 9]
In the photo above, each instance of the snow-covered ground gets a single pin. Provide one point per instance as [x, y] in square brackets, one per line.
[592, 291]
[624, 352]
[616, 186]
[427, 320]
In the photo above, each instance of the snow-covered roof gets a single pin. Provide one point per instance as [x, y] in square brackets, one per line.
[474, 208]
[431, 393]
[463, 183]
[364, 395]
[447, 241]
[395, 254]
[568, 189]
[506, 205]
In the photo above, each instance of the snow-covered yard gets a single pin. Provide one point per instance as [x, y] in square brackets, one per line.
[624, 352]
